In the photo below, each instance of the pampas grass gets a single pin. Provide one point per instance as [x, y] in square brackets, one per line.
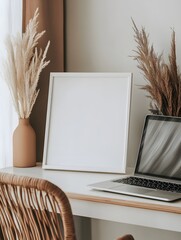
[23, 67]
[163, 79]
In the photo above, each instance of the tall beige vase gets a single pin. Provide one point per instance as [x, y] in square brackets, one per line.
[24, 145]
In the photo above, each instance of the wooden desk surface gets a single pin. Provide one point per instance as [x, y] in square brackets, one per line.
[108, 206]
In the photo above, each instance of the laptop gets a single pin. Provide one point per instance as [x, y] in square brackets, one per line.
[158, 167]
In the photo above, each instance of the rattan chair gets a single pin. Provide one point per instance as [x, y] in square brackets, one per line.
[28, 210]
[35, 209]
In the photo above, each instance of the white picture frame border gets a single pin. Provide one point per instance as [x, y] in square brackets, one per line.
[52, 136]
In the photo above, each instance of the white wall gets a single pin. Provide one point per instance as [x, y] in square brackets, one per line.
[105, 230]
[99, 38]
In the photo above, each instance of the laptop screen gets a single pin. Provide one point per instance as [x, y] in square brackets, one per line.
[160, 149]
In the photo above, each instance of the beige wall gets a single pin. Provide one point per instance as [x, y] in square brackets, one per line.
[99, 37]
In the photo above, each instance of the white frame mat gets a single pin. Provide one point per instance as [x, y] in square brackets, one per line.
[87, 122]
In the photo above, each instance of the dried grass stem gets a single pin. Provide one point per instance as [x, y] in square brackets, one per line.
[23, 67]
[163, 80]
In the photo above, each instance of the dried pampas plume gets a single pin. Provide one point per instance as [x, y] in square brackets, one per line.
[23, 67]
[163, 80]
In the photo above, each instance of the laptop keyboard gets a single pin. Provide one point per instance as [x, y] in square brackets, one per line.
[148, 183]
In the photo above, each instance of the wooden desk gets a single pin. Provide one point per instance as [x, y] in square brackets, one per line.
[108, 206]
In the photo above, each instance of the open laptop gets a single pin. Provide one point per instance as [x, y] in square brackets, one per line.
[158, 167]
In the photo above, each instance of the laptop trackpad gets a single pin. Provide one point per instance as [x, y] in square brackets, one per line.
[130, 189]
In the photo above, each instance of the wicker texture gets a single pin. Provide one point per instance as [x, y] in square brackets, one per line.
[28, 210]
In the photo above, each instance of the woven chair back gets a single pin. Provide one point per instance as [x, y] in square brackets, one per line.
[34, 209]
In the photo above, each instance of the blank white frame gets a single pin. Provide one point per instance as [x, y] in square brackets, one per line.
[88, 122]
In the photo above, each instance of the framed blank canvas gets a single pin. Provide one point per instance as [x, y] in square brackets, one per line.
[87, 122]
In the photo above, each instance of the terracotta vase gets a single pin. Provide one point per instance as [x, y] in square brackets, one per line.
[24, 145]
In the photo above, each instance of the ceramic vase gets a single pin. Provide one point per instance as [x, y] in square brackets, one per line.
[24, 144]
